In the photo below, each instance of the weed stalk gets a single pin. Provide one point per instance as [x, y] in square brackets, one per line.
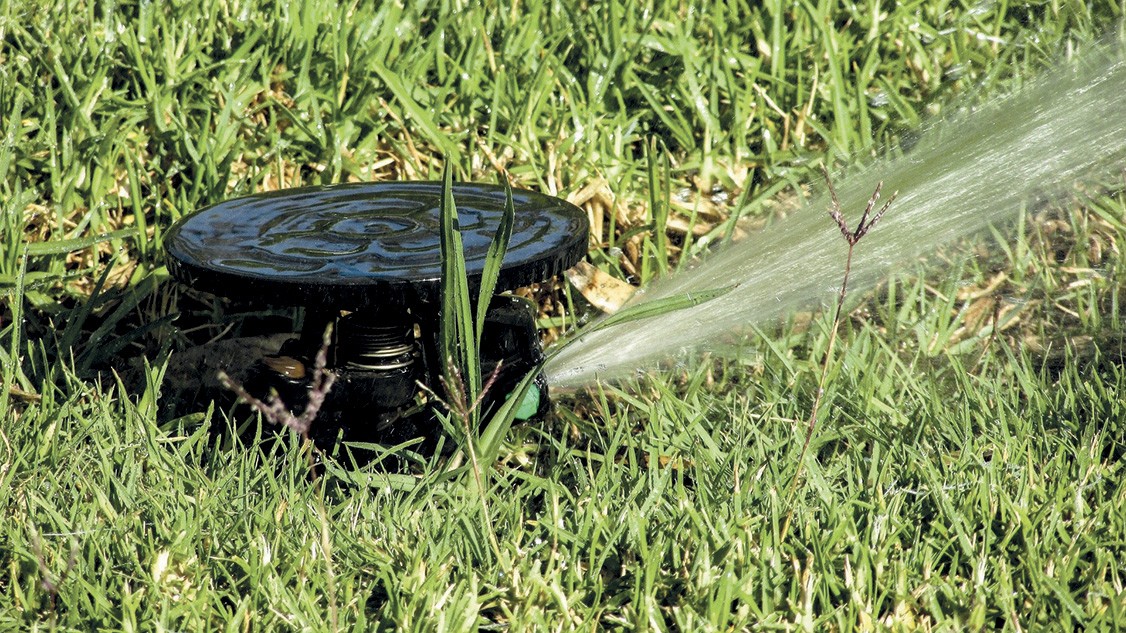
[852, 237]
[276, 412]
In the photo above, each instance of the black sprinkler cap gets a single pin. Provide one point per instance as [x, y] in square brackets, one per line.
[366, 245]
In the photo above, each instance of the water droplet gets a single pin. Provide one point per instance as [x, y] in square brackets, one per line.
[955, 72]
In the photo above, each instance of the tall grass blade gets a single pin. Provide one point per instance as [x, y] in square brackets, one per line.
[458, 344]
[495, 257]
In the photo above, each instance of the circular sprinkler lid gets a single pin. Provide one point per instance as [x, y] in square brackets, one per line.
[363, 245]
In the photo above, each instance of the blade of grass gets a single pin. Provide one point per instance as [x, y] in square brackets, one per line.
[494, 259]
[656, 308]
[79, 315]
[16, 305]
[492, 437]
[60, 247]
[8, 146]
[419, 115]
[659, 189]
[457, 337]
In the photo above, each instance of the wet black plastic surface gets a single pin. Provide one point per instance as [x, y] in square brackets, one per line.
[363, 245]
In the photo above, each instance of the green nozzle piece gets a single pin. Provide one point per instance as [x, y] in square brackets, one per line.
[529, 405]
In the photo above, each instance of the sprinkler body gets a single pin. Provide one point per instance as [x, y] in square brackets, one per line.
[365, 258]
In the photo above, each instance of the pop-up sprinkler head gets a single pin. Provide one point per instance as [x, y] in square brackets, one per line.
[365, 257]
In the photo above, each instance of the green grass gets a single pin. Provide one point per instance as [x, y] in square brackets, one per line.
[968, 471]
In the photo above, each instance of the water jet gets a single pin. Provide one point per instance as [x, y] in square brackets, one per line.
[979, 167]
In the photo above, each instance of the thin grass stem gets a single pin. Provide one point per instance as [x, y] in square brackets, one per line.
[852, 238]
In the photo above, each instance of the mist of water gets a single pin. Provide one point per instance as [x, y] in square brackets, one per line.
[977, 168]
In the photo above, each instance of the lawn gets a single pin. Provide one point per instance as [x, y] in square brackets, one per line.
[967, 472]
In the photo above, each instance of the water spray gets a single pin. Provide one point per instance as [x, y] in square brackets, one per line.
[979, 168]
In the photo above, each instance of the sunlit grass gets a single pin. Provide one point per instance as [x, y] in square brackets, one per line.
[968, 470]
